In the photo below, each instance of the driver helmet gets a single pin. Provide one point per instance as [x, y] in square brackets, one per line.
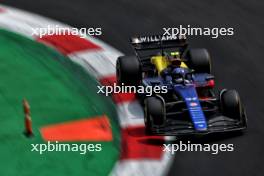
[179, 71]
[178, 74]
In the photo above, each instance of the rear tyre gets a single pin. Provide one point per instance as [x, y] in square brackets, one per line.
[231, 104]
[199, 60]
[128, 70]
[154, 112]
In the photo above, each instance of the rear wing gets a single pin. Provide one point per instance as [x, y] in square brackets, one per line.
[158, 42]
[157, 45]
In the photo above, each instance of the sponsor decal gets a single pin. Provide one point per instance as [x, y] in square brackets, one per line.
[156, 38]
[192, 104]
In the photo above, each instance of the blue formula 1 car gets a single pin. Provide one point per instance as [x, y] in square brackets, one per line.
[189, 104]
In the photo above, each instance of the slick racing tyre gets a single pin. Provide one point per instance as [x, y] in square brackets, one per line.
[128, 70]
[154, 112]
[231, 104]
[199, 60]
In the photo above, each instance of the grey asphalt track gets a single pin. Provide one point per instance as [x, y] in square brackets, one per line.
[238, 61]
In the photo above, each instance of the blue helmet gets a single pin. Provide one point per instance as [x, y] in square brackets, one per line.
[180, 71]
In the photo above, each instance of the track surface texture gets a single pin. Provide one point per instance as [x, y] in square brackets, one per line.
[237, 61]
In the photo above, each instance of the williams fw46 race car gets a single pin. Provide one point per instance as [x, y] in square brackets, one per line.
[190, 104]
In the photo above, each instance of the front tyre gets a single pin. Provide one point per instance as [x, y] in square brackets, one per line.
[154, 112]
[231, 104]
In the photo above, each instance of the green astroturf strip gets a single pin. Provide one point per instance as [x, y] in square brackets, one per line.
[58, 91]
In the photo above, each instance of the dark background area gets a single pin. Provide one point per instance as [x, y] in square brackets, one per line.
[237, 60]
